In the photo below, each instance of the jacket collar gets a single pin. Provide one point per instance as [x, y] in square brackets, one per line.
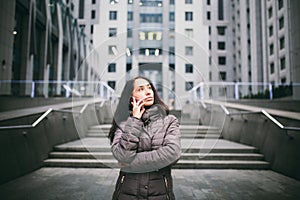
[153, 113]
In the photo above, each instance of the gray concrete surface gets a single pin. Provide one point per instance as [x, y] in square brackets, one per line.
[90, 184]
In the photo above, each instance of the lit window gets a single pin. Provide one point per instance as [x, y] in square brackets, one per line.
[112, 50]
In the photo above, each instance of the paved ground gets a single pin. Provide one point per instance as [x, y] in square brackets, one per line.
[90, 184]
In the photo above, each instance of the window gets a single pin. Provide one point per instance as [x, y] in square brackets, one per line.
[112, 32]
[172, 67]
[189, 51]
[189, 85]
[221, 46]
[209, 45]
[81, 9]
[208, 2]
[280, 4]
[172, 2]
[129, 33]
[188, 68]
[129, 16]
[171, 50]
[92, 29]
[188, 16]
[93, 1]
[189, 32]
[222, 60]
[281, 22]
[112, 50]
[271, 48]
[281, 43]
[111, 84]
[111, 67]
[282, 63]
[93, 14]
[208, 15]
[220, 10]
[128, 67]
[270, 12]
[151, 18]
[150, 35]
[188, 1]
[221, 30]
[270, 31]
[209, 30]
[272, 68]
[172, 17]
[112, 2]
[112, 15]
[283, 80]
[222, 76]
[130, 1]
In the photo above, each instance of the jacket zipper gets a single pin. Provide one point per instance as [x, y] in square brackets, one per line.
[166, 184]
[119, 187]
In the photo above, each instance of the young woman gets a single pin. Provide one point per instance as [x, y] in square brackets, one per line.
[145, 140]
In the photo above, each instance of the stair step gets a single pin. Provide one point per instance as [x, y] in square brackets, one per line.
[184, 156]
[185, 150]
[186, 164]
[227, 164]
[183, 135]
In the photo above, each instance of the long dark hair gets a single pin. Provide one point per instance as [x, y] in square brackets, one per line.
[124, 107]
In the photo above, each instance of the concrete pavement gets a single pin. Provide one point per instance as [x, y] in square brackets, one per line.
[92, 184]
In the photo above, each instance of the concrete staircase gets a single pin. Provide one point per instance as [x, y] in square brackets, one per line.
[202, 148]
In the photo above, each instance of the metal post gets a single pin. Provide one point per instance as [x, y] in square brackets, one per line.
[236, 91]
[32, 89]
[201, 91]
[271, 91]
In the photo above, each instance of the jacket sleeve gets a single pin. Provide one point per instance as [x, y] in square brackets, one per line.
[153, 160]
[126, 141]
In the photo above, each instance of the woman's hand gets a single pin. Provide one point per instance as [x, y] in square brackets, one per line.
[138, 107]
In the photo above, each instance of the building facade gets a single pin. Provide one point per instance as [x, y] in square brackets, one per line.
[163, 40]
[41, 43]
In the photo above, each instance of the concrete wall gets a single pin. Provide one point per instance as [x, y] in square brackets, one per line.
[256, 130]
[23, 150]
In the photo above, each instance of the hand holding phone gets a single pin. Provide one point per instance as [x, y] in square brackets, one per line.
[138, 107]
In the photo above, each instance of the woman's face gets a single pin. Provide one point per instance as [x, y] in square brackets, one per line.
[143, 90]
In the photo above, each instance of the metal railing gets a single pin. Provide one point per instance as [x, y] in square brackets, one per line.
[45, 114]
[262, 111]
[239, 90]
[56, 88]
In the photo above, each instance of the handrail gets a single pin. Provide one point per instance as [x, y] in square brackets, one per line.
[262, 111]
[31, 125]
[43, 116]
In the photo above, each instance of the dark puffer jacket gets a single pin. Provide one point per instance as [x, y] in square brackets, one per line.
[146, 149]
